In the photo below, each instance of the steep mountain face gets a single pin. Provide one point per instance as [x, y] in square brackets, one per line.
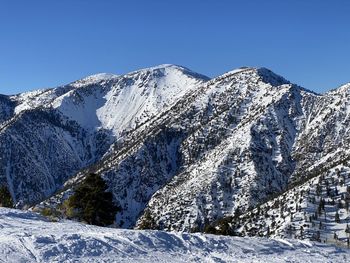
[47, 136]
[325, 132]
[6, 108]
[316, 209]
[225, 145]
[316, 205]
[244, 153]
[223, 149]
[122, 103]
[238, 153]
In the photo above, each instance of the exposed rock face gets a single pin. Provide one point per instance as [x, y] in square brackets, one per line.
[180, 151]
[46, 136]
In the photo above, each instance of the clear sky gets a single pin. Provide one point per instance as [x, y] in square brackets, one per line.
[49, 43]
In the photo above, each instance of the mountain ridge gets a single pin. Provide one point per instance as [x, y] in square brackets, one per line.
[178, 151]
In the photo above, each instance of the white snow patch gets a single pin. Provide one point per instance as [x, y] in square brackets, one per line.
[27, 237]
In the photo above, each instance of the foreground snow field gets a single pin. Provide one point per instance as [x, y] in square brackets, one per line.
[27, 237]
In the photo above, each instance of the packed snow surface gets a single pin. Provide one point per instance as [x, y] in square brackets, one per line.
[28, 237]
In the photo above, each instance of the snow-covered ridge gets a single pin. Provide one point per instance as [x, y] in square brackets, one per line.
[44, 97]
[72, 126]
[342, 89]
[169, 67]
[121, 103]
[94, 79]
[27, 237]
[189, 150]
[224, 144]
[267, 75]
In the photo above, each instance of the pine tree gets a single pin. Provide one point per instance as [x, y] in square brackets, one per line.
[347, 229]
[318, 236]
[337, 217]
[268, 231]
[322, 203]
[91, 203]
[301, 231]
[318, 189]
[5, 197]
[321, 206]
[237, 213]
[148, 222]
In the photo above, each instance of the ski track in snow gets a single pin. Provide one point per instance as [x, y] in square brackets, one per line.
[28, 237]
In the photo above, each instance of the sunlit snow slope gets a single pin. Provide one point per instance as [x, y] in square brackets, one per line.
[26, 237]
[123, 102]
[48, 135]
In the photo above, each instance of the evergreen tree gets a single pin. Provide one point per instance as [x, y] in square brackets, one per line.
[322, 203]
[318, 190]
[337, 218]
[5, 197]
[268, 231]
[318, 236]
[347, 230]
[301, 231]
[237, 213]
[91, 203]
[149, 223]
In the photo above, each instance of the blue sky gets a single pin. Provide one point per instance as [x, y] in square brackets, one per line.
[49, 43]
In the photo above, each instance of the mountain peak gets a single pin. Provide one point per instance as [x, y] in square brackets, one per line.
[271, 77]
[345, 88]
[95, 78]
[167, 68]
[266, 75]
[183, 153]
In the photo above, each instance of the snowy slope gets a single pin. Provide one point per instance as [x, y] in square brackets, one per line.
[228, 145]
[121, 103]
[299, 212]
[180, 152]
[27, 237]
[48, 135]
[206, 155]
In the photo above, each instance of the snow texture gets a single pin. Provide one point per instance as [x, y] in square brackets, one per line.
[181, 152]
[27, 237]
[46, 136]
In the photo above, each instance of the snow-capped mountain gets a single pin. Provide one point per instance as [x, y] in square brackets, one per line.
[48, 135]
[118, 104]
[205, 157]
[182, 152]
